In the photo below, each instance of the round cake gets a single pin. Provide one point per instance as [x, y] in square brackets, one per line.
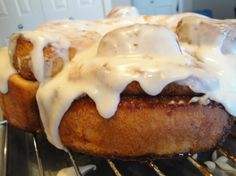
[124, 86]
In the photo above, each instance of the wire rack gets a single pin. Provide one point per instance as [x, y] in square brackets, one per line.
[31, 155]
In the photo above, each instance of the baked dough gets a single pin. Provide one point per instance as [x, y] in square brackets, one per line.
[181, 115]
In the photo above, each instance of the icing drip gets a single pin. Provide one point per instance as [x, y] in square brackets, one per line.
[202, 100]
[40, 40]
[6, 69]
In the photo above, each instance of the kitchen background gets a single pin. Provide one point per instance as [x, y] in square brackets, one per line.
[17, 15]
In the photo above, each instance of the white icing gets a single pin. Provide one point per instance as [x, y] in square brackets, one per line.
[139, 36]
[225, 166]
[210, 165]
[70, 171]
[12, 45]
[6, 69]
[221, 162]
[203, 100]
[214, 155]
[180, 102]
[195, 156]
[172, 20]
[72, 28]
[172, 102]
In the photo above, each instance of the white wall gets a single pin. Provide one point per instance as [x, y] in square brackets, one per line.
[220, 8]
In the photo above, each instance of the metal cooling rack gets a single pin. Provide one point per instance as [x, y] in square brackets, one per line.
[29, 154]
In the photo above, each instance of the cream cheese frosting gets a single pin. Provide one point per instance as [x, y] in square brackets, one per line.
[125, 51]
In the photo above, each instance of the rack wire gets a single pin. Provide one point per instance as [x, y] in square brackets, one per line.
[153, 166]
[3, 157]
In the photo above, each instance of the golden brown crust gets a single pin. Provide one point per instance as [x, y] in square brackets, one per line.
[143, 126]
[22, 59]
[19, 104]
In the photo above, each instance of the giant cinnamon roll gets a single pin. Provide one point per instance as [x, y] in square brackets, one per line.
[135, 89]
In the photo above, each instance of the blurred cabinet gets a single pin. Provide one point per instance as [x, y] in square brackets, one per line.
[153, 7]
[17, 15]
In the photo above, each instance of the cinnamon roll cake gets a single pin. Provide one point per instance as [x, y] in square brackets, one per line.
[123, 87]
